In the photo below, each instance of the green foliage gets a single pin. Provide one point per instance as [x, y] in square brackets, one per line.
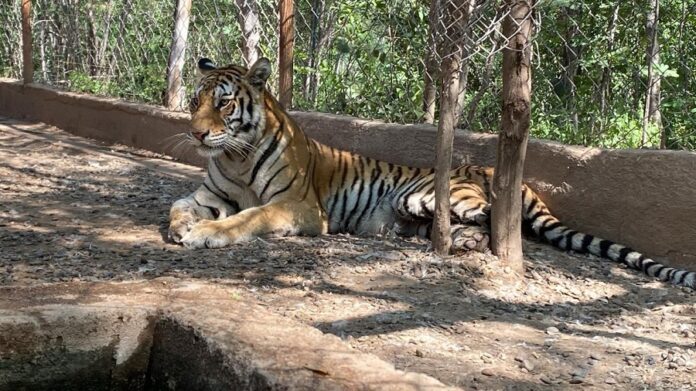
[82, 82]
[373, 65]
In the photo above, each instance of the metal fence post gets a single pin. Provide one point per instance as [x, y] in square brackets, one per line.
[285, 51]
[27, 60]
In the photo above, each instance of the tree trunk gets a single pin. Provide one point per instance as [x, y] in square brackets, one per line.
[285, 49]
[27, 59]
[652, 95]
[174, 97]
[450, 71]
[248, 18]
[430, 62]
[506, 225]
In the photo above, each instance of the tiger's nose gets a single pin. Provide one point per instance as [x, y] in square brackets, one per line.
[200, 135]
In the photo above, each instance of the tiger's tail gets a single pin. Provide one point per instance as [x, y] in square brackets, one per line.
[548, 227]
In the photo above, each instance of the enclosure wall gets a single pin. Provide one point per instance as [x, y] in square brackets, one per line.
[642, 198]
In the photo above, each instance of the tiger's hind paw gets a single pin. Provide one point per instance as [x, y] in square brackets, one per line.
[470, 238]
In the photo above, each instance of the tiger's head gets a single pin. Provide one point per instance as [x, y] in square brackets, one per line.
[227, 108]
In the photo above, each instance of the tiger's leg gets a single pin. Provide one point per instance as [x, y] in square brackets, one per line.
[280, 218]
[200, 205]
[468, 202]
[465, 237]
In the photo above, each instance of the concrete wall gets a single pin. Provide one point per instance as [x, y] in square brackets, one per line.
[641, 198]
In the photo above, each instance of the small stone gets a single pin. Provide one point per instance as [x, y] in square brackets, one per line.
[579, 373]
[486, 358]
[487, 372]
[419, 353]
[610, 380]
[552, 330]
[528, 365]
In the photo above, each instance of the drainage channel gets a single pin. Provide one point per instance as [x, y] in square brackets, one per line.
[85, 348]
[173, 335]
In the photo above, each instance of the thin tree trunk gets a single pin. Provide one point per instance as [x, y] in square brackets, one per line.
[174, 97]
[101, 59]
[571, 60]
[450, 71]
[27, 59]
[506, 225]
[91, 42]
[485, 81]
[304, 82]
[322, 37]
[469, 11]
[683, 53]
[652, 96]
[248, 18]
[317, 11]
[430, 62]
[285, 55]
[42, 53]
[605, 82]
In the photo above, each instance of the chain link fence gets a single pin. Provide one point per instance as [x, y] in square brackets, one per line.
[597, 64]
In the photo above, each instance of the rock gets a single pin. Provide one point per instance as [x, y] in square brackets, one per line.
[488, 372]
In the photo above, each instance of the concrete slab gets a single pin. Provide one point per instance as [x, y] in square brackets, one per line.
[173, 334]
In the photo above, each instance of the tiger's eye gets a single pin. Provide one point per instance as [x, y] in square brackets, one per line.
[224, 103]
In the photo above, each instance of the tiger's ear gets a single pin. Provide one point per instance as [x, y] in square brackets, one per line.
[205, 65]
[259, 72]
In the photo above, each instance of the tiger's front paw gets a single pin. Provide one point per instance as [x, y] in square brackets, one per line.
[179, 229]
[206, 234]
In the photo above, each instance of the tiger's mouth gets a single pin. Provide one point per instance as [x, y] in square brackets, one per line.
[218, 145]
[208, 151]
[204, 149]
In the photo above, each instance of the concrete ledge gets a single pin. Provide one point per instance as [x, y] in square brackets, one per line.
[157, 335]
[644, 199]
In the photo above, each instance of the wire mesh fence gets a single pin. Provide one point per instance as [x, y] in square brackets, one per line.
[597, 65]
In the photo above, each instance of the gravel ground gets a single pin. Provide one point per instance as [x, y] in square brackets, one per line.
[73, 209]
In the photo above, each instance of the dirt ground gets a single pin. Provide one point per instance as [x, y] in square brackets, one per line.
[72, 209]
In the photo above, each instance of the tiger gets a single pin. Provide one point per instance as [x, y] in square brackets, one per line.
[266, 177]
